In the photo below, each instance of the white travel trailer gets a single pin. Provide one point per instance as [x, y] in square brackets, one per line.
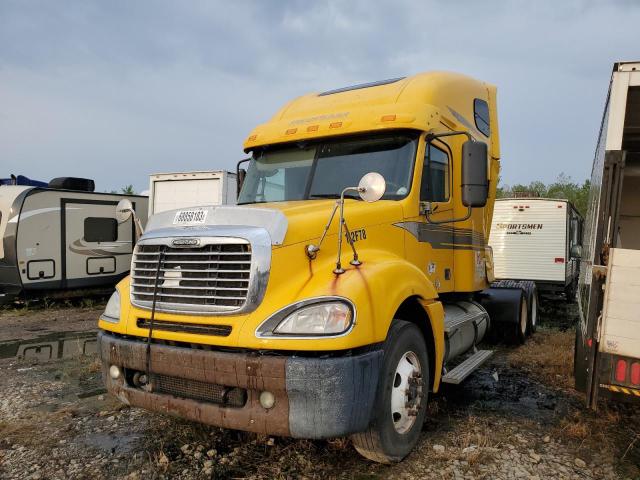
[533, 239]
[607, 357]
[65, 237]
[169, 191]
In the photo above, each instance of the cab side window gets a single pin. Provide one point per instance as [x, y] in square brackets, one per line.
[435, 175]
[481, 116]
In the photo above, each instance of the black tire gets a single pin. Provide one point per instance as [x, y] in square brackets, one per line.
[518, 333]
[516, 336]
[531, 292]
[382, 442]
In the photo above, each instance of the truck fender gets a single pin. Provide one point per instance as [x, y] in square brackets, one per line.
[415, 285]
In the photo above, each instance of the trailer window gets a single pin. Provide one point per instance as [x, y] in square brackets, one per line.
[481, 116]
[435, 175]
[100, 229]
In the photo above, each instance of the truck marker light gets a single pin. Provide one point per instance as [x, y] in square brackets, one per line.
[267, 400]
[335, 125]
[559, 260]
[635, 373]
[388, 118]
[252, 138]
[114, 372]
[621, 371]
[291, 131]
[313, 128]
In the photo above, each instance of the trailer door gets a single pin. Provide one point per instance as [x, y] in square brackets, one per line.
[620, 333]
[95, 248]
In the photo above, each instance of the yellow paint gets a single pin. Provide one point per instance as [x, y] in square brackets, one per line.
[395, 263]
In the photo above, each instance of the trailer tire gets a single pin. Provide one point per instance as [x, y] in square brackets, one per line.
[392, 432]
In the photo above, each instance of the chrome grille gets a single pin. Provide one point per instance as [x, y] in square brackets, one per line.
[195, 328]
[211, 278]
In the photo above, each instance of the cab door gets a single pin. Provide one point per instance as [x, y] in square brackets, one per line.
[435, 235]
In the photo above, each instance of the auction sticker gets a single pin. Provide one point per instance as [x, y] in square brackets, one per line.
[193, 216]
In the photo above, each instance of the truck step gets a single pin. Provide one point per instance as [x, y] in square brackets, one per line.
[466, 368]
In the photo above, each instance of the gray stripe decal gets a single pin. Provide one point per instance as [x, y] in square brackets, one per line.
[441, 236]
[464, 121]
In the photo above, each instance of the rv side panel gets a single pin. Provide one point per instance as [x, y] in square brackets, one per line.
[68, 239]
[529, 239]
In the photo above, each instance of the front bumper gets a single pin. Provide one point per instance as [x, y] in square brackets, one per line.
[314, 397]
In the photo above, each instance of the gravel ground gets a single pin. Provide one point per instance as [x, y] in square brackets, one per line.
[517, 417]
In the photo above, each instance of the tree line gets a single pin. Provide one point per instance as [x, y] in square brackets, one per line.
[564, 187]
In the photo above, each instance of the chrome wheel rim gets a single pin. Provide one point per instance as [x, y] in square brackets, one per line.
[406, 392]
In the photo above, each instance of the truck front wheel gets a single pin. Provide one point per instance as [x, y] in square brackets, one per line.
[401, 398]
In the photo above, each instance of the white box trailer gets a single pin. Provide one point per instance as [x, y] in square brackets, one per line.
[607, 358]
[63, 238]
[532, 239]
[170, 191]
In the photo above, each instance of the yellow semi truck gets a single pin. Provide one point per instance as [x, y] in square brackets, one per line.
[350, 281]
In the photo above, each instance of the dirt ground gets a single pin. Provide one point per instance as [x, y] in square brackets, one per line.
[517, 417]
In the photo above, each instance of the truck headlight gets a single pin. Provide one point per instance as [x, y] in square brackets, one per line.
[310, 318]
[112, 310]
[321, 319]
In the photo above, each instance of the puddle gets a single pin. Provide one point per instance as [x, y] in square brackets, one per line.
[120, 444]
[51, 347]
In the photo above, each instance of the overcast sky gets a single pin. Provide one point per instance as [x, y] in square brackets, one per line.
[116, 90]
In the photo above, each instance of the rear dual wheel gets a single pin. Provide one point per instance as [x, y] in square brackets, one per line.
[527, 321]
[520, 328]
[531, 294]
[401, 398]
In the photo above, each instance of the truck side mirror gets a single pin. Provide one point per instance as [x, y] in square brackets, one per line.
[124, 210]
[475, 182]
[241, 174]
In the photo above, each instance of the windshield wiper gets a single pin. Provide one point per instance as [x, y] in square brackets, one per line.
[333, 195]
[249, 203]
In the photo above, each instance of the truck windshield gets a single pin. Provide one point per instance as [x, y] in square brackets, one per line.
[323, 170]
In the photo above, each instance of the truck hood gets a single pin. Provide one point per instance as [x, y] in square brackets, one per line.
[287, 223]
[308, 218]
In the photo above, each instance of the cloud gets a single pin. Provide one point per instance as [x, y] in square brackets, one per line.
[118, 90]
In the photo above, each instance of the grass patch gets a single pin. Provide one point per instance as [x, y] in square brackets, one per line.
[547, 355]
